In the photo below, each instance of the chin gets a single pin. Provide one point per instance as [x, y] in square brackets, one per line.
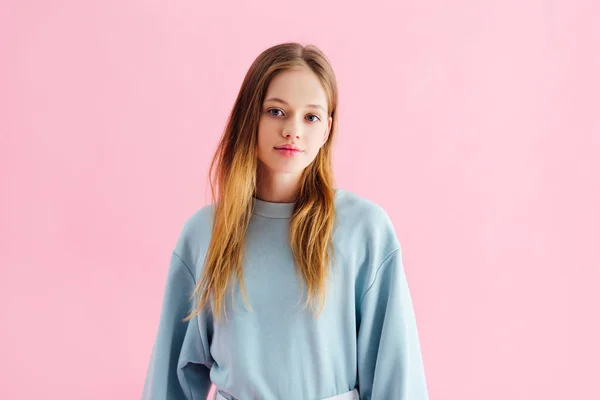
[285, 168]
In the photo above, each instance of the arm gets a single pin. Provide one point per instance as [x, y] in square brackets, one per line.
[390, 364]
[178, 363]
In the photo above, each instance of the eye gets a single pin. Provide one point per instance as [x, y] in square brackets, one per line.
[273, 109]
[316, 116]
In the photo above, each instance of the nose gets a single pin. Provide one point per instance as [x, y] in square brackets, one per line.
[292, 128]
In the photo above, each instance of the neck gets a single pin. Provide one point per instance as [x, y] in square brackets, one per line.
[277, 187]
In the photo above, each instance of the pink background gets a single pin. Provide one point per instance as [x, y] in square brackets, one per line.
[475, 124]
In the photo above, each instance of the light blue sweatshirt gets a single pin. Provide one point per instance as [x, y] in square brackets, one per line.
[366, 336]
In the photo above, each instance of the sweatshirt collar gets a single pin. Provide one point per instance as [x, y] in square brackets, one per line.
[274, 210]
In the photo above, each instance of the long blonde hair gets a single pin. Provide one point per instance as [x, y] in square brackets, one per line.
[233, 171]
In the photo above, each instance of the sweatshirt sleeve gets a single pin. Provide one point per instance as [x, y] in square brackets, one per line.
[390, 363]
[178, 367]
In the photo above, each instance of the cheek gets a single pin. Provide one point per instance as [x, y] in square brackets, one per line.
[315, 140]
[265, 137]
[265, 128]
[262, 132]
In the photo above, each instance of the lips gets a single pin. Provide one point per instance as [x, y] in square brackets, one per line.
[287, 152]
[288, 147]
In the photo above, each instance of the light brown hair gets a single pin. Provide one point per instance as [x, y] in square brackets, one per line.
[233, 172]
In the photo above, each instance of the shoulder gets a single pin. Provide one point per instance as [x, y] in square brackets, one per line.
[198, 222]
[354, 205]
[194, 237]
[365, 220]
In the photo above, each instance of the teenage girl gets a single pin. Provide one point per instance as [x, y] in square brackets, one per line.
[285, 287]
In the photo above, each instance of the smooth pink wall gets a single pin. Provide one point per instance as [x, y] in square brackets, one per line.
[474, 123]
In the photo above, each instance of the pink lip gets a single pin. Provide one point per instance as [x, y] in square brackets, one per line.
[288, 152]
[288, 146]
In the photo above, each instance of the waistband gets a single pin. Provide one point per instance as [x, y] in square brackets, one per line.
[351, 395]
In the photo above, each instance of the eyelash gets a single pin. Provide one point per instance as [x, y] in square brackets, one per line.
[277, 109]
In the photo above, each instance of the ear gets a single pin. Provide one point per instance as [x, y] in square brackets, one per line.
[326, 135]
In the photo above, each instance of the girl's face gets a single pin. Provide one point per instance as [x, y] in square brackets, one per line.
[294, 113]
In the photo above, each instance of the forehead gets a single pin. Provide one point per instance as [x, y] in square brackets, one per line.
[297, 87]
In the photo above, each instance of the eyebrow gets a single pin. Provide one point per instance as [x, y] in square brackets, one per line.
[284, 102]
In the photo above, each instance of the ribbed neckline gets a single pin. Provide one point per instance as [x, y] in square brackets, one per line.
[275, 210]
